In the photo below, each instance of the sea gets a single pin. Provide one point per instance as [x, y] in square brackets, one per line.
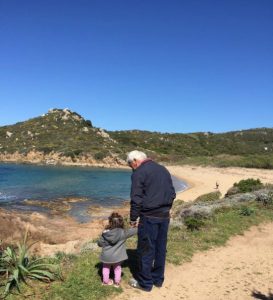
[97, 186]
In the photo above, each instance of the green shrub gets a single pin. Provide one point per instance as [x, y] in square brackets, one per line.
[209, 197]
[248, 185]
[69, 154]
[77, 152]
[100, 155]
[246, 211]
[45, 150]
[17, 266]
[88, 123]
[193, 223]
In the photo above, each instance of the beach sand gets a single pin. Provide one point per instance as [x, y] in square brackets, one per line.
[202, 180]
[233, 272]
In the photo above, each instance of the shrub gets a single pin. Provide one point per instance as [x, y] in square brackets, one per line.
[248, 185]
[17, 266]
[100, 155]
[45, 150]
[73, 153]
[88, 123]
[208, 197]
[246, 211]
[193, 223]
[77, 152]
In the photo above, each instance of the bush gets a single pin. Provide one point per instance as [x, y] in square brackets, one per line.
[16, 266]
[248, 185]
[209, 197]
[193, 223]
[45, 150]
[77, 152]
[100, 155]
[88, 123]
[246, 211]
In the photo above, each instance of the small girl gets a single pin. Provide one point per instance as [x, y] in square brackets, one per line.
[113, 252]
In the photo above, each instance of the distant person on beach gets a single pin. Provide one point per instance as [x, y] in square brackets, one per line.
[152, 195]
[112, 241]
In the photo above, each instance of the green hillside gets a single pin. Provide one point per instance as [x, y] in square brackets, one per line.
[61, 131]
[68, 134]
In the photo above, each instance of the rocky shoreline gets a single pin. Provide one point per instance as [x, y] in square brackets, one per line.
[60, 232]
[55, 230]
[55, 158]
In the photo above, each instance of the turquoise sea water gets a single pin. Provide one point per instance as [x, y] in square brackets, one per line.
[106, 187]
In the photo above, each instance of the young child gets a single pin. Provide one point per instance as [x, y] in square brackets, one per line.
[113, 246]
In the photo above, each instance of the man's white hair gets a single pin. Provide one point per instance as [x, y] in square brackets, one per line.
[136, 155]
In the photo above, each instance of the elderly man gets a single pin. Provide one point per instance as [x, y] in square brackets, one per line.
[152, 195]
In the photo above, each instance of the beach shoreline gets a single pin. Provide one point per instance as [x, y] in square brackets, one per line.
[47, 228]
[202, 180]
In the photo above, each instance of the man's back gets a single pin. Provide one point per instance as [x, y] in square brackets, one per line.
[152, 190]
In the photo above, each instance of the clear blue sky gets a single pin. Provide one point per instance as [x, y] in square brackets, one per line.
[169, 66]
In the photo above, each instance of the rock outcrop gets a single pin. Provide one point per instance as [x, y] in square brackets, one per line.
[207, 209]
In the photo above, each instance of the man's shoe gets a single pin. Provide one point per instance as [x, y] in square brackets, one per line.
[158, 285]
[134, 283]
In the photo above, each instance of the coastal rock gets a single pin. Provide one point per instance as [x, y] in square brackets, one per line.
[9, 134]
[232, 191]
[105, 135]
[30, 133]
[102, 133]
[65, 117]
[207, 209]
[264, 196]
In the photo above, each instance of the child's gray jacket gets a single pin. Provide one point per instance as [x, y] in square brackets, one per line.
[113, 244]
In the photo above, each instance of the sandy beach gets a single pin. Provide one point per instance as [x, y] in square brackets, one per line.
[202, 180]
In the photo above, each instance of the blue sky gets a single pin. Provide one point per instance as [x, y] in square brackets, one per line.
[169, 66]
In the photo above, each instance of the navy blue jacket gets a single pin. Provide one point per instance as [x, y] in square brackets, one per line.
[152, 191]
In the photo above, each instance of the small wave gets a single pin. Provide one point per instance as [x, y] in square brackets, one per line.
[6, 197]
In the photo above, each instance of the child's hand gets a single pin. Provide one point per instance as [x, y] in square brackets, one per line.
[133, 224]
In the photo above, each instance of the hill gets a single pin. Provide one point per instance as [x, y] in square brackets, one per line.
[64, 136]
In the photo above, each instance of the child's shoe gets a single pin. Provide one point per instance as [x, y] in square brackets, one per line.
[110, 282]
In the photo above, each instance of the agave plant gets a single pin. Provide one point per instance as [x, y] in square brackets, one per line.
[17, 266]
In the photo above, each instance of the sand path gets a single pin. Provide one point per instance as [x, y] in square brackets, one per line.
[243, 266]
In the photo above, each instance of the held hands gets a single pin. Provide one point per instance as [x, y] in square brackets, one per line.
[133, 223]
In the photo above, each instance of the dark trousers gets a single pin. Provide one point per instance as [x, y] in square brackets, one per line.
[152, 242]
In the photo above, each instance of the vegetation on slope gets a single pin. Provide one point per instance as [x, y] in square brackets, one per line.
[68, 134]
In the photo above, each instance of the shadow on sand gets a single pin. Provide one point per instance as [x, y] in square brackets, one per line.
[259, 295]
